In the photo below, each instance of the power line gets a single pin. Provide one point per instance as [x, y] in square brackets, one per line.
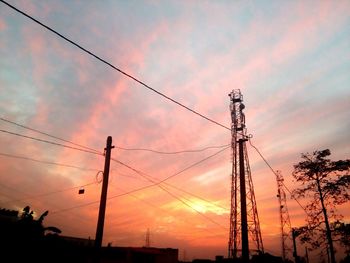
[267, 163]
[157, 183]
[90, 169]
[149, 178]
[179, 199]
[175, 152]
[46, 162]
[114, 67]
[174, 196]
[137, 189]
[50, 193]
[179, 172]
[161, 209]
[49, 135]
[50, 142]
[96, 202]
[118, 147]
[191, 207]
[196, 196]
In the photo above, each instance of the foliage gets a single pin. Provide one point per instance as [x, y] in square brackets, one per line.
[325, 184]
[342, 232]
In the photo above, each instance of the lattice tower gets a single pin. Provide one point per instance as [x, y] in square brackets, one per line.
[148, 239]
[245, 234]
[286, 227]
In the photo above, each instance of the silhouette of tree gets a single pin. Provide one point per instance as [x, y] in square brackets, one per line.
[325, 184]
[342, 231]
[27, 214]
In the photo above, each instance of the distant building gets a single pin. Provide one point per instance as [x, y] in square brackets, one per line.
[7, 215]
[139, 255]
[16, 237]
[111, 254]
[77, 241]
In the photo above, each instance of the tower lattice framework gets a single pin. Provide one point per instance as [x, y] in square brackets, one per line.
[245, 234]
[286, 227]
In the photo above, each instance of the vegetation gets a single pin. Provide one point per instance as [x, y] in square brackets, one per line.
[325, 184]
[24, 238]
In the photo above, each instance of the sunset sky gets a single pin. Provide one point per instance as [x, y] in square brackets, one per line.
[290, 59]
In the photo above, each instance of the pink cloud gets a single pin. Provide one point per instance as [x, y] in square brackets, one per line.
[3, 25]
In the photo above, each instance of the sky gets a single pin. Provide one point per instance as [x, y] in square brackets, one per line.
[290, 60]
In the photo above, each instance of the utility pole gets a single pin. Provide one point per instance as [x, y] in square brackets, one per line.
[102, 210]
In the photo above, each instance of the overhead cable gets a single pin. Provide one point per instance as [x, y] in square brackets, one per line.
[162, 210]
[176, 197]
[174, 152]
[137, 189]
[49, 135]
[191, 207]
[157, 183]
[114, 67]
[267, 163]
[50, 193]
[50, 142]
[180, 199]
[118, 147]
[177, 173]
[46, 162]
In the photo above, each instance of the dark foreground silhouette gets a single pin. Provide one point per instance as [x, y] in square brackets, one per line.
[25, 239]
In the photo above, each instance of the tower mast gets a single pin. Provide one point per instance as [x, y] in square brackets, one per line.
[286, 226]
[244, 219]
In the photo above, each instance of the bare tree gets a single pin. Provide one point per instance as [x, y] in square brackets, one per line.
[325, 184]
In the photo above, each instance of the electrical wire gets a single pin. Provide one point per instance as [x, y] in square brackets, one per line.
[137, 189]
[186, 203]
[118, 147]
[50, 193]
[183, 202]
[46, 162]
[177, 173]
[149, 177]
[114, 67]
[273, 171]
[193, 208]
[49, 135]
[175, 152]
[197, 196]
[98, 181]
[154, 206]
[90, 169]
[50, 142]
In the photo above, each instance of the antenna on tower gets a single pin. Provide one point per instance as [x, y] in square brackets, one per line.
[148, 241]
[244, 219]
[286, 226]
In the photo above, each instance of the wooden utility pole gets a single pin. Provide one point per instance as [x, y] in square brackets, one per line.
[102, 210]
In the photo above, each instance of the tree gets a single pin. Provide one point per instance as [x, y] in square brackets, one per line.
[325, 184]
[342, 230]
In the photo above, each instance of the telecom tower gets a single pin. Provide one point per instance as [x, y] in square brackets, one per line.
[286, 226]
[148, 239]
[244, 220]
